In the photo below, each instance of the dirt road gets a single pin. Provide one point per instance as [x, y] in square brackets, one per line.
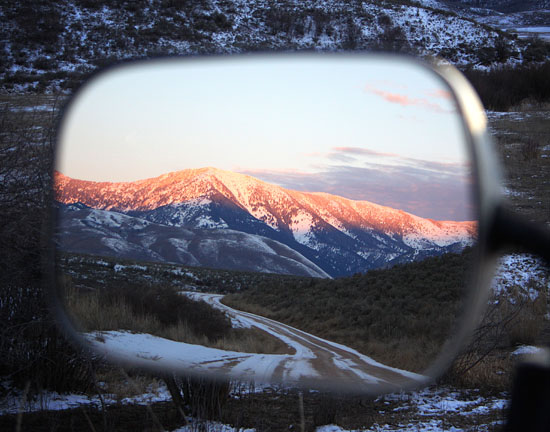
[315, 363]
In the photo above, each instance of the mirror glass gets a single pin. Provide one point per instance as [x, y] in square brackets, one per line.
[305, 220]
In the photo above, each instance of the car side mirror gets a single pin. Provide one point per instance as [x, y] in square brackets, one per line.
[313, 220]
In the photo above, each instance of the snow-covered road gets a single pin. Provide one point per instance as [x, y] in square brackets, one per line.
[316, 362]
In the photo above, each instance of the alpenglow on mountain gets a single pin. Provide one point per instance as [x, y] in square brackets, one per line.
[201, 214]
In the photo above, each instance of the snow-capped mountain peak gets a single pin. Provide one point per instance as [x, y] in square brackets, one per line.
[314, 223]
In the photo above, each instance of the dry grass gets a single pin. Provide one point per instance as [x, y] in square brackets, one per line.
[119, 385]
[523, 141]
[528, 319]
[253, 341]
[493, 373]
[511, 319]
[413, 353]
[91, 313]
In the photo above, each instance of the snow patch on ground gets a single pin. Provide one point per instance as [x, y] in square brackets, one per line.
[180, 272]
[523, 272]
[210, 426]
[116, 244]
[119, 267]
[527, 350]
[207, 222]
[54, 401]
[431, 3]
[429, 407]
[429, 426]
[179, 243]
[435, 402]
[510, 192]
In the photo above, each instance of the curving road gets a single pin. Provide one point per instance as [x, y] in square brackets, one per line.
[315, 363]
[315, 360]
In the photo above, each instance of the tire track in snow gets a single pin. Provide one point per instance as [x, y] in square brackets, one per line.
[316, 360]
[316, 363]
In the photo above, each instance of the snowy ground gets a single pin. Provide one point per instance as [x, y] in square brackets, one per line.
[429, 409]
[314, 363]
[432, 409]
[525, 272]
[17, 402]
[106, 33]
[525, 24]
[211, 427]
[542, 32]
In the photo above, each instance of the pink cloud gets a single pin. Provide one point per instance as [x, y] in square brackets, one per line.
[441, 94]
[426, 193]
[392, 97]
[406, 101]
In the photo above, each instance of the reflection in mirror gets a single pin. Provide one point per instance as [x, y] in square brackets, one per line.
[293, 219]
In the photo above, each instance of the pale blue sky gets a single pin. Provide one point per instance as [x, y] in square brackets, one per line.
[359, 127]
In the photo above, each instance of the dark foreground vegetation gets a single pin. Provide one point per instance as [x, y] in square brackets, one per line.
[33, 352]
[98, 272]
[43, 49]
[506, 88]
[266, 411]
[522, 140]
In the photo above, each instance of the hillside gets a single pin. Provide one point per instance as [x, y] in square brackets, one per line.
[401, 316]
[50, 45]
[503, 6]
[418, 302]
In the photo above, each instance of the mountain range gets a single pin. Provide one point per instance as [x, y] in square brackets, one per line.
[211, 217]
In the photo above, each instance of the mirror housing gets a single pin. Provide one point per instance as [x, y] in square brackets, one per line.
[469, 132]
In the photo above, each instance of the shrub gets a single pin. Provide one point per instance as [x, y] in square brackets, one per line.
[148, 309]
[511, 318]
[537, 50]
[502, 88]
[531, 149]
[44, 63]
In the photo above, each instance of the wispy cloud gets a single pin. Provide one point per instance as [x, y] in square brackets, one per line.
[424, 192]
[438, 166]
[440, 93]
[408, 101]
[362, 151]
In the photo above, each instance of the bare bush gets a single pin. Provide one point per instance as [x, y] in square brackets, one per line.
[511, 319]
[531, 149]
[200, 398]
